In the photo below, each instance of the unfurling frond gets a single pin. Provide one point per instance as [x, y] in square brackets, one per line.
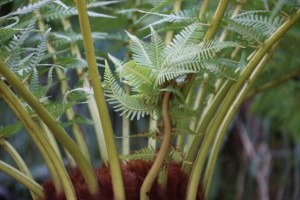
[135, 75]
[140, 51]
[147, 154]
[128, 105]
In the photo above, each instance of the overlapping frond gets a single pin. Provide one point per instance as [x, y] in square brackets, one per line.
[157, 46]
[128, 105]
[135, 75]
[140, 51]
[191, 59]
[191, 34]
[254, 25]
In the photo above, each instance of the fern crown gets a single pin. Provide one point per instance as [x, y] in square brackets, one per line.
[155, 65]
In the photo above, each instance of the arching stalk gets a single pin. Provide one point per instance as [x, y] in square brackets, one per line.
[230, 98]
[23, 179]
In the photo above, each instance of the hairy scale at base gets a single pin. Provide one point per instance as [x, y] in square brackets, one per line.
[134, 173]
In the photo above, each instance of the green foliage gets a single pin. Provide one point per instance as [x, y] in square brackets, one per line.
[147, 154]
[136, 86]
[9, 130]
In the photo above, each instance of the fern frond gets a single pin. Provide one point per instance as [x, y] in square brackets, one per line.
[156, 52]
[59, 11]
[20, 38]
[95, 4]
[258, 21]
[34, 84]
[190, 59]
[128, 105]
[147, 134]
[40, 51]
[140, 51]
[187, 16]
[29, 8]
[135, 75]
[191, 34]
[147, 154]
[155, 8]
[69, 37]
[72, 63]
[118, 63]
[176, 155]
[254, 25]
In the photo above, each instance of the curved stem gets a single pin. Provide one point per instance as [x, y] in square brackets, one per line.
[55, 128]
[230, 98]
[23, 179]
[18, 160]
[40, 140]
[114, 163]
[163, 151]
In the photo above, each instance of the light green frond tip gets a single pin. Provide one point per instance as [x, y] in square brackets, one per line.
[128, 105]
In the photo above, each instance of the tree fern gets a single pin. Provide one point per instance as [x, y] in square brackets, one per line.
[128, 105]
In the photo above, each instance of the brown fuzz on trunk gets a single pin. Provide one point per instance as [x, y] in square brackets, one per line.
[134, 173]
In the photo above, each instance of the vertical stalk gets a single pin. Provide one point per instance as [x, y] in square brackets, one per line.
[163, 151]
[91, 102]
[230, 98]
[78, 134]
[114, 163]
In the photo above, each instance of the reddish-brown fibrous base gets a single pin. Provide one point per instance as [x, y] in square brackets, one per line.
[134, 173]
